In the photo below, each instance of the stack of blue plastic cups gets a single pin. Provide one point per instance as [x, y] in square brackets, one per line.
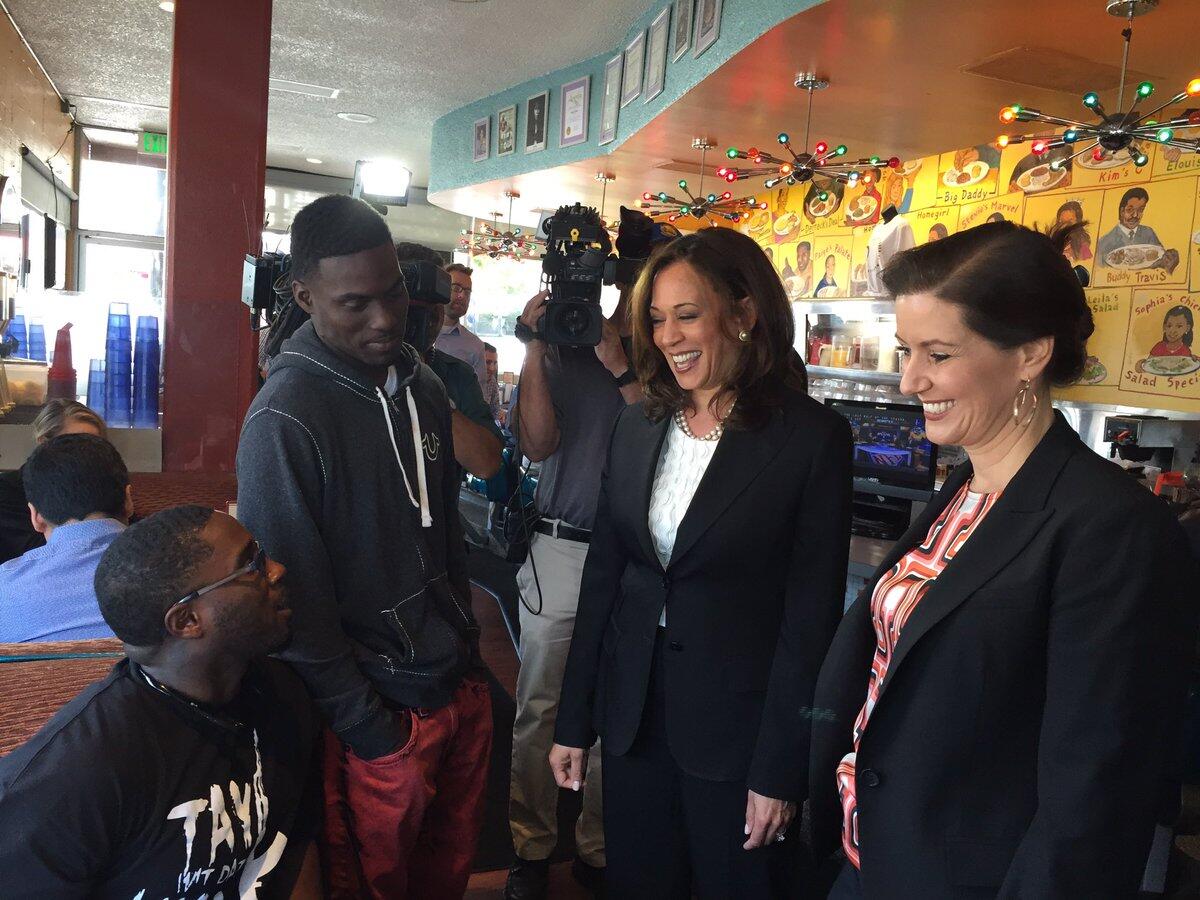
[118, 368]
[17, 329]
[37, 341]
[95, 389]
[146, 354]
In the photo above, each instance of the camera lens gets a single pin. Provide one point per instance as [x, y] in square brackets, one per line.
[574, 321]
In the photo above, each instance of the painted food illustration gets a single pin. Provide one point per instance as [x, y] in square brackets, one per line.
[1171, 365]
[818, 207]
[971, 173]
[1094, 371]
[862, 208]
[759, 220]
[786, 224]
[1107, 161]
[1040, 178]
[1134, 256]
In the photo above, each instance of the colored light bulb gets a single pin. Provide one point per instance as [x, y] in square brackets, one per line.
[1164, 135]
[712, 198]
[1145, 89]
[841, 150]
[1090, 99]
[823, 196]
[753, 151]
[1002, 141]
[868, 178]
[1070, 135]
[785, 169]
[726, 195]
[894, 162]
[762, 206]
[683, 184]
[1193, 87]
[721, 172]
[1007, 115]
[732, 152]
[874, 160]
[751, 201]
[1039, 147]
[645, 196]
[731, 177]
[783, 137]
[685, 210]
[1141, 159]
[662, 198]
[1057, 164]
[1098, 154]
[820, 148]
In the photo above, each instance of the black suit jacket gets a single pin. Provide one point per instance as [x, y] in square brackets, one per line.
[1024, 726]
[753, 592]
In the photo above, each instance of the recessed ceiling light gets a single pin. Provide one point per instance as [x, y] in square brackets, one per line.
[314, 160]
[360, 118]
[167, 6]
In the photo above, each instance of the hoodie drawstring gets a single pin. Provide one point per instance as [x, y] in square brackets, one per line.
[423, 506]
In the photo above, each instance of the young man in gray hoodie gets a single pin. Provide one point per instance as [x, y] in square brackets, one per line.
[346, 475]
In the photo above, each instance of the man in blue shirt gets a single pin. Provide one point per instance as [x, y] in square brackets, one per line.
[79, 500]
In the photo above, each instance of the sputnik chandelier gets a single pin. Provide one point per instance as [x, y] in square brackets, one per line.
[699, 205]
[1115, 133]
[804, 166]
[490, 241]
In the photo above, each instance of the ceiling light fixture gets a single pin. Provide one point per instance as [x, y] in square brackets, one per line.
[357, 118]
[314, 160]
[490, 241]
[698, 205]
[804, 166]
[167, 6]
[1119, 132]
[381, 182]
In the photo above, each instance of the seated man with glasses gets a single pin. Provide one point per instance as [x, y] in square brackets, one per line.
[456, 339]
[77, 488]
[190, 770]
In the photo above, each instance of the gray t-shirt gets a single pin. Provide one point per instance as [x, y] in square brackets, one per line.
[587, 402]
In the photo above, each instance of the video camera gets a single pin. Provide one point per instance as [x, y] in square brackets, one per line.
[578, 260]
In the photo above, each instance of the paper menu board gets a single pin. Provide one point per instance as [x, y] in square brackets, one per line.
[934, 223]
[1144, 234]
[1106, 347]
[1159, 353]
[831, 255]
[1171, 162]
[858, 260]
[794, 264]
[1111, 169]
[912, 186]
[968, 174]
[1002, 208]
[1194, 244]
[1044, 212]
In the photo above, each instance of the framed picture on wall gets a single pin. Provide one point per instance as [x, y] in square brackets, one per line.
[573, 119]
[682, 29]
[536, 109]
[635, 64]
[483, 138]
[610, 107]
[708, 24]
[656, 55]
[506, 131]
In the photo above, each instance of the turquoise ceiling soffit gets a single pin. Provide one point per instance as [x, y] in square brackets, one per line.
[452, 166]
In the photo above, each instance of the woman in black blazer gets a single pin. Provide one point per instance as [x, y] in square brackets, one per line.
[998, 710]
[703, 619]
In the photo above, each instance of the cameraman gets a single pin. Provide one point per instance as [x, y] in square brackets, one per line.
[569, 400]
[477, 440]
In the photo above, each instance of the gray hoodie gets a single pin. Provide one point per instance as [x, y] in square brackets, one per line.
[354, 491]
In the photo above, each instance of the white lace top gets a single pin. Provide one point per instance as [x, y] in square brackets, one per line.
[680, 467]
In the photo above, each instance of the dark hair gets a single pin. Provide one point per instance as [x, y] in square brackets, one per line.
[334, 225]
[74, 476]
[407, 251]
[1013, 284]
[147, 569]
[1080, 237]
[459, 267]
[735, 267]
[939, 229]
[489, 347]
[1134, 193]
[1187, 315]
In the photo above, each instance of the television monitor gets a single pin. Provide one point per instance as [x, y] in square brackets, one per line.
[890, 443]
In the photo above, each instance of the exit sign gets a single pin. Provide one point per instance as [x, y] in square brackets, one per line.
[152, 143]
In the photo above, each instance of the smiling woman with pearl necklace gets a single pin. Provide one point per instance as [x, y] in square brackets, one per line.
[713, 584]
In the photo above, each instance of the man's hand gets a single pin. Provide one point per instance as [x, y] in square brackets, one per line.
[610, 352]
[569, 765]
[535, 309]
[766, 818]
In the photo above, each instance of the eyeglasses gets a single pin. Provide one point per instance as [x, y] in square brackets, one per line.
[459, 289]
[258, 563]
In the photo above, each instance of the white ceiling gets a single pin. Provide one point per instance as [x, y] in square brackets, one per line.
[406, 62]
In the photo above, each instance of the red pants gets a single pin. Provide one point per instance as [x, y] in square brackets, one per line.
[406, 824]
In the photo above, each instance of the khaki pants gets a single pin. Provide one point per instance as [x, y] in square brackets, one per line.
[545, 640]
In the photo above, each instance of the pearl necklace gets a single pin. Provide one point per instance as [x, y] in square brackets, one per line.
[714, 435]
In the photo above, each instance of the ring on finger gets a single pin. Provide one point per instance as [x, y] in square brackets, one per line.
[780, 836]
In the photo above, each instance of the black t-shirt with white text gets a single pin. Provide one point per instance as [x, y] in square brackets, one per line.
[128, 793]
